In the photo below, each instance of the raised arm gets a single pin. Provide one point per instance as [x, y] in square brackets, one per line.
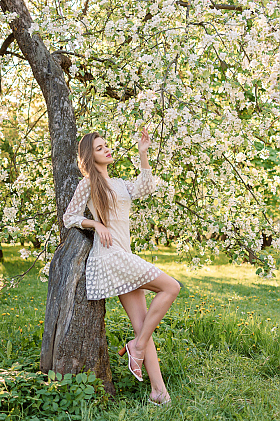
[74, 215]
[144, 184]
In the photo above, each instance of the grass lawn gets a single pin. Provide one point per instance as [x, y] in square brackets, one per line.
[218, 346]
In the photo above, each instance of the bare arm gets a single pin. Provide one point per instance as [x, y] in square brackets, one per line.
[103, 232]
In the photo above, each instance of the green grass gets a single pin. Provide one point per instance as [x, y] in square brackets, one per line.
[218, 345]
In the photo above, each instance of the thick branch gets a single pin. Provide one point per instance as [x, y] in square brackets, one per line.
[8, 41]
[85, 8]
[226, 7]
[214, 6]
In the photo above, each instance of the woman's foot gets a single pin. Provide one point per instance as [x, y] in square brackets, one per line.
[136, 359]
[159, 397]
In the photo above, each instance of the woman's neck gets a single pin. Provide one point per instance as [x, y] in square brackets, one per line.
[103, 170]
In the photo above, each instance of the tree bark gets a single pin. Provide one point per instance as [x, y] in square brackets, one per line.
[74, 338]
[74, 334]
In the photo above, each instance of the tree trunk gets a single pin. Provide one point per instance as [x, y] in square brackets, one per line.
[74, 334]
[74, 337]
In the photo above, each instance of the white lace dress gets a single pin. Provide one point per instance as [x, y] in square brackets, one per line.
[114, 270]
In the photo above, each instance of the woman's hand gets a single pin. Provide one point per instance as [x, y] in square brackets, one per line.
[145, 142]
[104, 234]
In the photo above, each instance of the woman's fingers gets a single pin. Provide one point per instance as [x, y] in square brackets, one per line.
[106, 239]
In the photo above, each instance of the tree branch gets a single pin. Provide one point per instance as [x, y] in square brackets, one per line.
[8, 41]
[214, 6]
[101, 60]
[226, 7]
[84, 11]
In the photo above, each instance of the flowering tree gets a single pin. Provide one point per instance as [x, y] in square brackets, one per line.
[203, 76]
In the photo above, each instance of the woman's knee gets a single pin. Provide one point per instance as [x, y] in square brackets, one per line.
[171, 286]
[175, 288]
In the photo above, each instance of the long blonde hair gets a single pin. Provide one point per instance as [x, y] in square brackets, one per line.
[101, 194]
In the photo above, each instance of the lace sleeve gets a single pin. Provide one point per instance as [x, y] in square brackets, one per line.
[74, 214]
[144, 184]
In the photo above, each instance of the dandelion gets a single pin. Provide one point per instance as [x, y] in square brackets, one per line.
[268, 319]
[35, 309]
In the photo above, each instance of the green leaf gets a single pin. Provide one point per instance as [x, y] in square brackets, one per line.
[9, 349]
[64, 402]
[84, 377]
[91, 378]
[121, 414]
[55, 406]
[51, 375]
[59, 376]
[89, 390]
[79, 378]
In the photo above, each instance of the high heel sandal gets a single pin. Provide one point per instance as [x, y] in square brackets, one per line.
[130, 357]
[163, 403]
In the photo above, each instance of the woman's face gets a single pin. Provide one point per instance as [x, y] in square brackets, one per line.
[101, 151]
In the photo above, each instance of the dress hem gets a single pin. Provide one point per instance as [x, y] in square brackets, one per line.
[131, 288]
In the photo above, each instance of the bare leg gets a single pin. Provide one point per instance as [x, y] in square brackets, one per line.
[134, 303]
[167, 290]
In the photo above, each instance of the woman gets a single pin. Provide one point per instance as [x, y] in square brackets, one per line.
[111, 268]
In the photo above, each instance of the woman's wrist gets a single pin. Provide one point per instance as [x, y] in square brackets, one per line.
[144, 160]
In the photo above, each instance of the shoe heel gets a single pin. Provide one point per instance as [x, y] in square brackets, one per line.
[122, 351]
